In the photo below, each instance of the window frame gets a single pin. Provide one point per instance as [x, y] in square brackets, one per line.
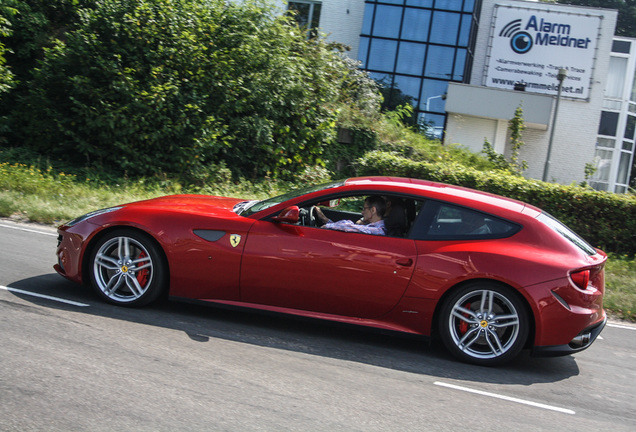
[312, 23]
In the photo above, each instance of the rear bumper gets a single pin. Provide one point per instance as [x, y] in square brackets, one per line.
[579, 343]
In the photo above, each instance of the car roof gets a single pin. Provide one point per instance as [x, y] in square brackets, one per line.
[456, 194]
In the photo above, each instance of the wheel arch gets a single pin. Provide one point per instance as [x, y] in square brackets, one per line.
[528, 309]
[106, 231]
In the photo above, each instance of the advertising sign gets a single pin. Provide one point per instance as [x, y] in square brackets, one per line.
[529, 46]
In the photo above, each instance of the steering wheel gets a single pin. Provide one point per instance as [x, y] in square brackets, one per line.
[307, 217]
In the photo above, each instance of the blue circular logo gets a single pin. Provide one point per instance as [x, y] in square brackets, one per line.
[521, 42]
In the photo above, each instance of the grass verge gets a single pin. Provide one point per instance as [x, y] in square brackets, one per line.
[620, 287]
[30, 194]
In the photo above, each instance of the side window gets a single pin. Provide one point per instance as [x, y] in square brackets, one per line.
[343, 208]
[398, 214]
[449, 222]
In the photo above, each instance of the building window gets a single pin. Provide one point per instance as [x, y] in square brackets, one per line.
[603, 163]
[630, 127]
[621, 46]
[609, 123]
[626, 171]
[623, 168]
[632, 178]
[615, 85]
[417, 47]
[306, 14]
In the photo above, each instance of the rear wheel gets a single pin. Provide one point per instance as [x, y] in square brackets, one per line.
[126, 268]
[484, 323]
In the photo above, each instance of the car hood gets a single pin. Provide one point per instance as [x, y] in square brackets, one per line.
[204, 204]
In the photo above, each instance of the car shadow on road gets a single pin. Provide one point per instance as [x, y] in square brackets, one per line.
[391, 350]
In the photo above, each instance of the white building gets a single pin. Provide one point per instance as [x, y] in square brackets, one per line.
[497, 66]
[458, 60]
[615, 145]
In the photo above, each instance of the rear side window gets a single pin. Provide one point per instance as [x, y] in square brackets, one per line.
[443, 221]
[566, 233]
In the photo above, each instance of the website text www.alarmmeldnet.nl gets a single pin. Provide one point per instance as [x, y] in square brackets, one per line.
[499, 82]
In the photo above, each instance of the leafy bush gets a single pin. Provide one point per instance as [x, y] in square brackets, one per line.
[6, 10]
[605, 220]
[148, 87]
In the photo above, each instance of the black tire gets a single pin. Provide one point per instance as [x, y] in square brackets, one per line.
[126, 268]
[484, 323]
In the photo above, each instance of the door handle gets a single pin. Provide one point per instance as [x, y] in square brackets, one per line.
[406, 262]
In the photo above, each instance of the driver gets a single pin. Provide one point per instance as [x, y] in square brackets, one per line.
[371, 222]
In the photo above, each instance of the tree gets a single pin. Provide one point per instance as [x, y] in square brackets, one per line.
[7, 9]
[147, 87]
[626, 22]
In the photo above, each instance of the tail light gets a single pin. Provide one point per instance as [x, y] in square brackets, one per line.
[580, 278]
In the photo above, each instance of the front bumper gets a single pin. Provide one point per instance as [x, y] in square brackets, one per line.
[70, 250]
[579, 343]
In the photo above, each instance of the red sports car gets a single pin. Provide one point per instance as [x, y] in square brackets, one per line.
[487, 275]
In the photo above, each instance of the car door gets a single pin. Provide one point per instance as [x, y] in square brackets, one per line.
[325, 271]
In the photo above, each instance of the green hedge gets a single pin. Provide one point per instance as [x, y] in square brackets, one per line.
[606, 220]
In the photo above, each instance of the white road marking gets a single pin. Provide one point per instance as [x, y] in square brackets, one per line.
[27, 230]
[507, 398]
[621, 326]
[57, 299]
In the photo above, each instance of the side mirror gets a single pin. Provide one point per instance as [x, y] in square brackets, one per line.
[289, 215]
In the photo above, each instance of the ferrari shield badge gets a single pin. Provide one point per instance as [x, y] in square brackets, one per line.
[235, 239]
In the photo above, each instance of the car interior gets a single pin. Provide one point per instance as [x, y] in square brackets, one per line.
[437, 221]
[398, 218]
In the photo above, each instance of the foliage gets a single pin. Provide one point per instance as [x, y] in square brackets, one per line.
[7, 77]
[494, 157]
[52, 197]
[35, 26]
[620, 286]
[516, 126]
[147, 87]
[7, 9]
[358, 110]
[605, 220]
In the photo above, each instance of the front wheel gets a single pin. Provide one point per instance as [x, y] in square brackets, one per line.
[483, 323]
[126, 268]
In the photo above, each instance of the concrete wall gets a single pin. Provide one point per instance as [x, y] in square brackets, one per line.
[341, 20]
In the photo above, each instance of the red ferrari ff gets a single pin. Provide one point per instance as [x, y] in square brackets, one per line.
[487, 275]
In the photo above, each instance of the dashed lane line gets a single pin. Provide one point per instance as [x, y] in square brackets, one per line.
[621, 326]
[506, 398]
[57, 299]
[18, 228]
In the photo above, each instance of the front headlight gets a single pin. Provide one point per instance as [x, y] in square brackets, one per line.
[92, 214]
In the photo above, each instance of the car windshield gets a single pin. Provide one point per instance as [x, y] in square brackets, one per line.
[566, 232]
[250, 207]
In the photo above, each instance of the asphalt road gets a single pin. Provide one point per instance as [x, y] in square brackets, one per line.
[70, 362]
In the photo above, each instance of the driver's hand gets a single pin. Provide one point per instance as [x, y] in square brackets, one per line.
[321, 216]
